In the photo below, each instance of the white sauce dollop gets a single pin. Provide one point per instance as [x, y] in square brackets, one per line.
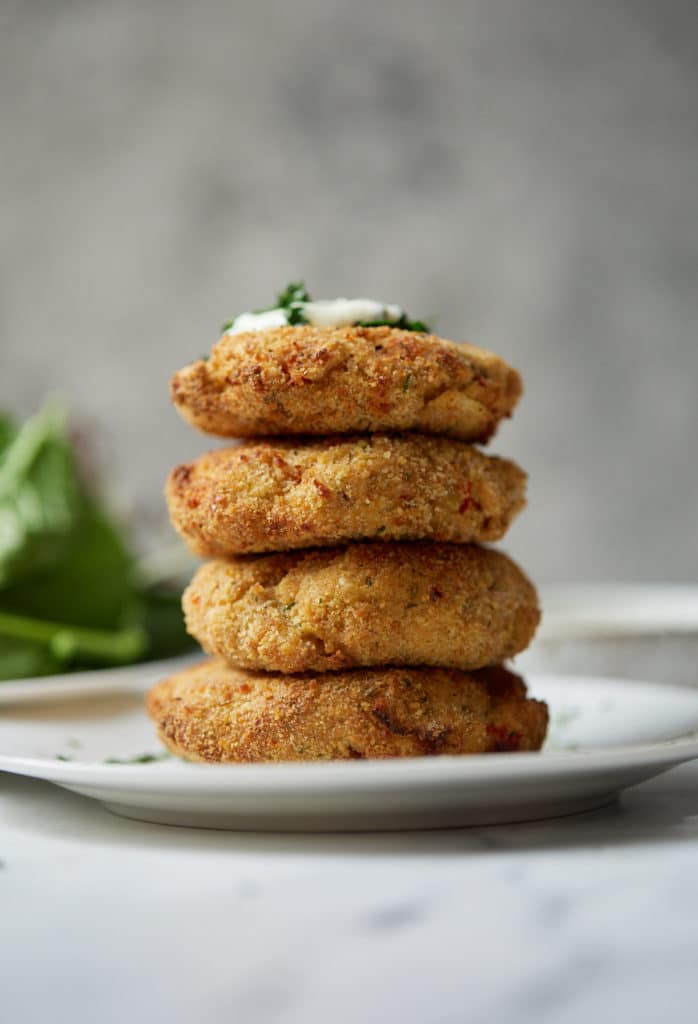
[258, 321]
[326, 313]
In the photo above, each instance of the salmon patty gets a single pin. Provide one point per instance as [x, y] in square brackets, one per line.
[458, 606]
[212, 712]
[280, 494]
[310, 380]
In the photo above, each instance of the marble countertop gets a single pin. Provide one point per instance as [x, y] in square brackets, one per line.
[593, 917]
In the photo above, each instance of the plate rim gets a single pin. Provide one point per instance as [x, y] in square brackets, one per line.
[291, 775]
[194, 777]
[68, 684]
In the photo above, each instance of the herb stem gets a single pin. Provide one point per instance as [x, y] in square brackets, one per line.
[67, 642]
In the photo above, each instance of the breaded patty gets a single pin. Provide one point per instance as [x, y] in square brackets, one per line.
[281, 494]
[458, 606]
[310, 380]
[212, 712]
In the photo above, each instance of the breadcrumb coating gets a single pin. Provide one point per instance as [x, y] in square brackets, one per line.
[279, 494]
[310, 380]
[212, 712]
[458, 606]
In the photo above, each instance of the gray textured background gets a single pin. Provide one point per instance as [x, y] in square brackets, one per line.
[526, 171]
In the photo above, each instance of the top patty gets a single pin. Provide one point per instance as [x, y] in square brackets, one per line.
[308, 380]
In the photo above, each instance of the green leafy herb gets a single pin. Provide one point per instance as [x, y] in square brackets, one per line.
[403, 323]
[289, 606]
[295, 316]
[292, 294]
[70, 596]
[291, 299]
[369, 581]
[406, 385]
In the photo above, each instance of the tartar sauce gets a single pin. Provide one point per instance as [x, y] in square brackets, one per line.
[325, 313]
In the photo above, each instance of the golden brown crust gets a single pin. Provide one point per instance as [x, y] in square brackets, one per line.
[458, 606]
[212, 712]
[308, 380]
[281, 494]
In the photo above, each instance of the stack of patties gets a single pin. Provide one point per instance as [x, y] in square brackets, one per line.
[348, 604]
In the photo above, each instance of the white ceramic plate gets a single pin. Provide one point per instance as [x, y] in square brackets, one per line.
[605, 735]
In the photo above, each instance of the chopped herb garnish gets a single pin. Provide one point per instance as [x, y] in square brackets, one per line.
[139, 758]
[406, 385]
[289, 606]
[292, 294]
[381, 529]
[227, 325]
[295, 315]
[62, 757]
[403, 323]
[369, 581]
[291, 299]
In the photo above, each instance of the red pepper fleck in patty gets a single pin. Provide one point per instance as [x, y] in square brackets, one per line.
[322, 489]
[467, 500]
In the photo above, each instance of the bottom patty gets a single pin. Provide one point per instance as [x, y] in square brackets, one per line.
[212, 712]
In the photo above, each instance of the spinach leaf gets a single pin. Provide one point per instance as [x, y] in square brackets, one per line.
[39, 496]
[91, 585]
[70, 595]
